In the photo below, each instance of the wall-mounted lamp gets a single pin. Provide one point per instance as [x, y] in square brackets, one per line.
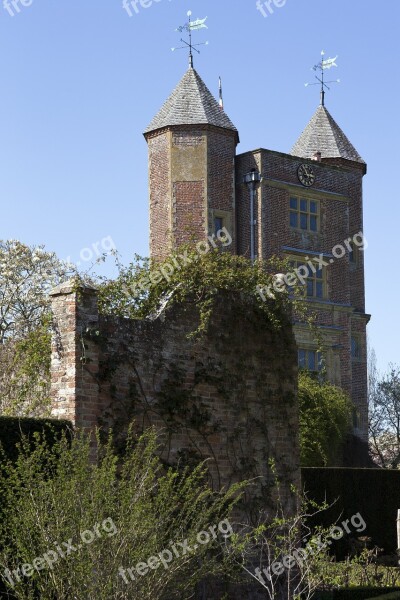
[251, 180]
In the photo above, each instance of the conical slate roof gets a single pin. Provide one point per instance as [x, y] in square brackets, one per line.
[324, 135]
[191, 103]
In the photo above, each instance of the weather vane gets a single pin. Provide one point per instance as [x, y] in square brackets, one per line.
[189, 27]
[327, 63]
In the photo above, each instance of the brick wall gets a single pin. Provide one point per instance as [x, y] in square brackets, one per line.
[188, 211]
[74, 367]
[338, 190]
[230, 397]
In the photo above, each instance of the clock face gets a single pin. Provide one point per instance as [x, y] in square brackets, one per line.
[306, 175]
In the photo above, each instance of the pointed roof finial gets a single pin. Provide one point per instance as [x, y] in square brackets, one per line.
[189, 27]
[322, 66]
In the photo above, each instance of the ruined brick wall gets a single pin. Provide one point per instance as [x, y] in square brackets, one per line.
[229, 397]
[341, 313]
[74, 367]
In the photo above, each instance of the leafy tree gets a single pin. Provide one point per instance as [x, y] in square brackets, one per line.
[325, 417]
[87, 522]
[384, 416]
[27, 274]
[25, 373]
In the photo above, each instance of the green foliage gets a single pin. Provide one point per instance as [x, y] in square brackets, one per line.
[325, 417]
[142, 291]
[288, 552]
[27, 274]
[25, 363]
[361, 574]
[353, 593]
[54, 494]
[14, 429]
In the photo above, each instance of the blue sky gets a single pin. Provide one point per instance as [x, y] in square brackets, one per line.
[80, 81]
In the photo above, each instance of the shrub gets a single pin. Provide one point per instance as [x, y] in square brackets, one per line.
[126, 511]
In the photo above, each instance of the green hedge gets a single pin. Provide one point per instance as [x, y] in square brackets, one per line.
[11, 429]
[374, 493]
[392, 596]
[360, 593]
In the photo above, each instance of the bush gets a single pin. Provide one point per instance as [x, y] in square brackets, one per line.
[12, 429]
[325, 413]
[127, 512]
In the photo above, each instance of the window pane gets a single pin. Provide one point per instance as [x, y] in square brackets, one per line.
[319, 289]
[293, 219]
[319, 274]
[303, 205]
[302, 359]
[313, 206]
[303, 221]
[293, 203]
[313, 223]
[218, 224]
[310, 288]
[311, 361]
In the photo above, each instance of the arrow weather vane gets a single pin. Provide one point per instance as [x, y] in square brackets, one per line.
[189, 27]
[322, 66]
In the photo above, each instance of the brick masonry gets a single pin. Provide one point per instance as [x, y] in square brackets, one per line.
[191, 172]
[196, 177]
[203, 178]
[340, 315]
[229, 397]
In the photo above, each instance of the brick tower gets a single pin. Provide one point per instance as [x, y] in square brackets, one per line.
[192, 146]
[309, 206]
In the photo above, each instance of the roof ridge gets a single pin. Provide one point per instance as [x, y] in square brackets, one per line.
[334, 128]
[338, 132]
